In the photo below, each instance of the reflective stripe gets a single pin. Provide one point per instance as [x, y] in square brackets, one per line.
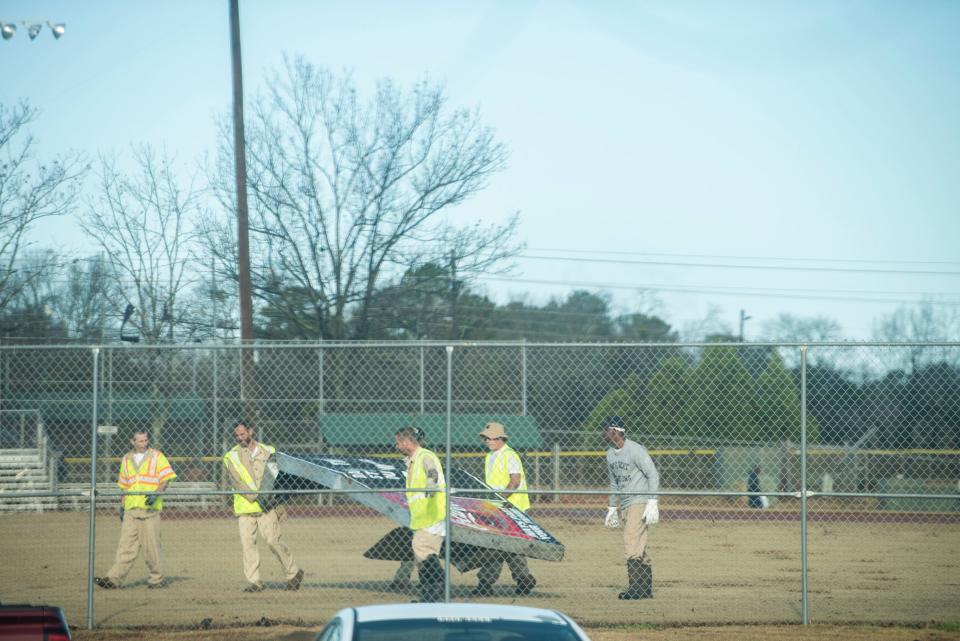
[154, 470]
[242, 470]
[242, 505]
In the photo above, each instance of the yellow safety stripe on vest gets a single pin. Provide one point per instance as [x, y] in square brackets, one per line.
[241, 469]
[152, 471]
[241, 505]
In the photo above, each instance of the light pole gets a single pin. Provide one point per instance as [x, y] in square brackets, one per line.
[743, 319]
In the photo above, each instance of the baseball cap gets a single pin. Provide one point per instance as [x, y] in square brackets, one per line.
[613, 423]
[493, 430]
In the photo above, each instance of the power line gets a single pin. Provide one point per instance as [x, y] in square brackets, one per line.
[728, 257]
[662, 263]
[721, 291]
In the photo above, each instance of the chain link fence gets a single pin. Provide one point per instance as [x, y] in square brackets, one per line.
[797, 483]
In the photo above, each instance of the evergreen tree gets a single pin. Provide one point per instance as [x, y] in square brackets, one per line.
[668, 394]
[778, 405]
[623, 401]
[721, 407]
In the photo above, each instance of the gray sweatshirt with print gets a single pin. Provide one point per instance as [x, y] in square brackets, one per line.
[631, 470]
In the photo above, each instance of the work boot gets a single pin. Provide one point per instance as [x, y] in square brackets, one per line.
[399, 585]
[640, 577]
[525, 585]
[401, 579]
[157, 586]
[431, 580]
[254, 587]
[105, 583]
[294, 583]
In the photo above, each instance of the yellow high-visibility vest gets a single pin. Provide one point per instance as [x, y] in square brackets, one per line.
[231, 460]
[426, 509]
[154, 469]
[498, 475]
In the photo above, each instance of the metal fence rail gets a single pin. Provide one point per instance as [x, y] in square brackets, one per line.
[854, 449]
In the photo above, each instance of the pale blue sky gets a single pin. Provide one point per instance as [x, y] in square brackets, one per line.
[807, 130]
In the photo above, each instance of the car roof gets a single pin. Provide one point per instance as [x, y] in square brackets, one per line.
[370, 613]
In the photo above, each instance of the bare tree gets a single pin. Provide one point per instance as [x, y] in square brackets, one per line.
[144, 222]
[210, 310]
[799, 329]
[83, 301]
[712, 324]
[29, 192]
[347, 195]
[929, 321]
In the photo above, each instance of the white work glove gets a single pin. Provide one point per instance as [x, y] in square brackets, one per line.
[613, 518]
[651, 513]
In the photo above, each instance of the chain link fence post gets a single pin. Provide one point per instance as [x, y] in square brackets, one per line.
[804, 564]
[92, 531]
[448, 466]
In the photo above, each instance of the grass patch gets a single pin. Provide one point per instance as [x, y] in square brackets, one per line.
[947, 626]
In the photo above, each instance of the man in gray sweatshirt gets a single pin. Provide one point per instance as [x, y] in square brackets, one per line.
[634, 482]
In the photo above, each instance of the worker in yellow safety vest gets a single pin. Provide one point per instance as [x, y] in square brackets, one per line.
[503, 471]
[427, 509]
[142, 469]
[245, 465]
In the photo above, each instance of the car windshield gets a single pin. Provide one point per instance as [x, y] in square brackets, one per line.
[463, 629]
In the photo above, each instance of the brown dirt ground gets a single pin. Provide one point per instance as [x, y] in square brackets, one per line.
[743, 576]
[713, 633]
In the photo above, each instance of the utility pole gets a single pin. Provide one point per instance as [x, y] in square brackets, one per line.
[240, 168]
[213, 299]
[454, 293]
[743, 318]
[247, 365]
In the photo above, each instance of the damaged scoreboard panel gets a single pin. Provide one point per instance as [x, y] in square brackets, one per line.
[480, 522]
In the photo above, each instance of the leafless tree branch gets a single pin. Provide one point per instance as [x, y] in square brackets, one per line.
[347, 194]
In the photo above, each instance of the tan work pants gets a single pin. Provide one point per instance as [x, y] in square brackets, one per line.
[140, 530]
[635, 533]
[424, 544]
[268, 525]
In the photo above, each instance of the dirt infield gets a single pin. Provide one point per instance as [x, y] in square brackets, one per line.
[705, 572]
[725, 633]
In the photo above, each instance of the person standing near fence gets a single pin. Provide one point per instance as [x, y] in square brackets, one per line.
[503, 471]
[427, 509]
[245, 465]
[631, 469]
[142, 469]
[753, 485]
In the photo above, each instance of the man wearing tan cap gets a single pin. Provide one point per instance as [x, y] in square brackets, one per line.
[504, 472]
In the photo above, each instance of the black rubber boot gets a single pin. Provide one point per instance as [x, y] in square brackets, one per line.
[431, 580]
[640, 576]
[525, 585]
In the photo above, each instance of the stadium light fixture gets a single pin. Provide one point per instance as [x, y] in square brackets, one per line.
[128, 312]
[9, 29]
[58, 29]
